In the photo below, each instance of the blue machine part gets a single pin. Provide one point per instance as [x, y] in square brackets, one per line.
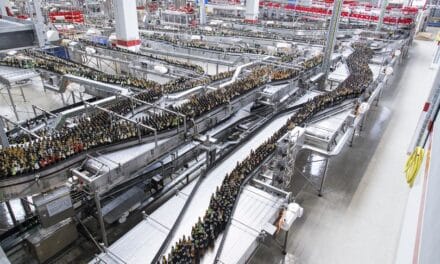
[101, 40]
[58, 51]
[197, 2]
[433, 24]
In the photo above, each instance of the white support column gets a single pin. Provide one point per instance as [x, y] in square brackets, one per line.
[202, 12]
[108, 9]
[383, 7]
[40, 27]
[3, 5]
[127, 30]
[252, 8]
[331, 36]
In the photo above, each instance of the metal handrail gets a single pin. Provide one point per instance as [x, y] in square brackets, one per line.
[20, 126]
[158, 107]
[138, 124]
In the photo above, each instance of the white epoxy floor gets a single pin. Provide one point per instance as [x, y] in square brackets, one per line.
[34, 94]
[370, 231]
[359, 218]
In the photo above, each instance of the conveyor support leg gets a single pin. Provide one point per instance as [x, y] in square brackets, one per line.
[101, 220]
[321, 187]
[22, 93]
[3, 137]
[11, 99]
[26, 207]
[352, 137]
[11, 213]
[285, 243]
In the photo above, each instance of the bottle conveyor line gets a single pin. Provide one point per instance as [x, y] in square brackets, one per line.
[200, 197]
[189, 57]
[128, 58]
[172, 207]
[136, 246]
[185, 155]
[16, 187]
[54, 176]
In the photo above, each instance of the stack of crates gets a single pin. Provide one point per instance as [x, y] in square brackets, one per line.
[73, 16]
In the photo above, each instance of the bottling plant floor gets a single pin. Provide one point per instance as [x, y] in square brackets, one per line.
[359, 217]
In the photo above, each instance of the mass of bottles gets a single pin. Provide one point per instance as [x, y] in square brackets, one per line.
[190, 249]
[41, 60]
[199, 44]
[98, 129]
[186, 65]
[44, 61]
[245, 32]
[38, 59]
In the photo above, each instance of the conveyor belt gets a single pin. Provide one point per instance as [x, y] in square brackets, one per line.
[196, 205]
[58, 173]
[131, 247]
[201, 197]
[209, 182]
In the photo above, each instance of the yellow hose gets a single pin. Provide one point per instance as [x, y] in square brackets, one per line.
[413, 165]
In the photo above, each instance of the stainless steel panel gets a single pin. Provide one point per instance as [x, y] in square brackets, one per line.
[123, 203]
[54, 206]
[47, 242]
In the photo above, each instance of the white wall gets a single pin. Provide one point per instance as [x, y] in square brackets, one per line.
[3, 4]
[126, 20]
[430, 236]
[420, 236]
